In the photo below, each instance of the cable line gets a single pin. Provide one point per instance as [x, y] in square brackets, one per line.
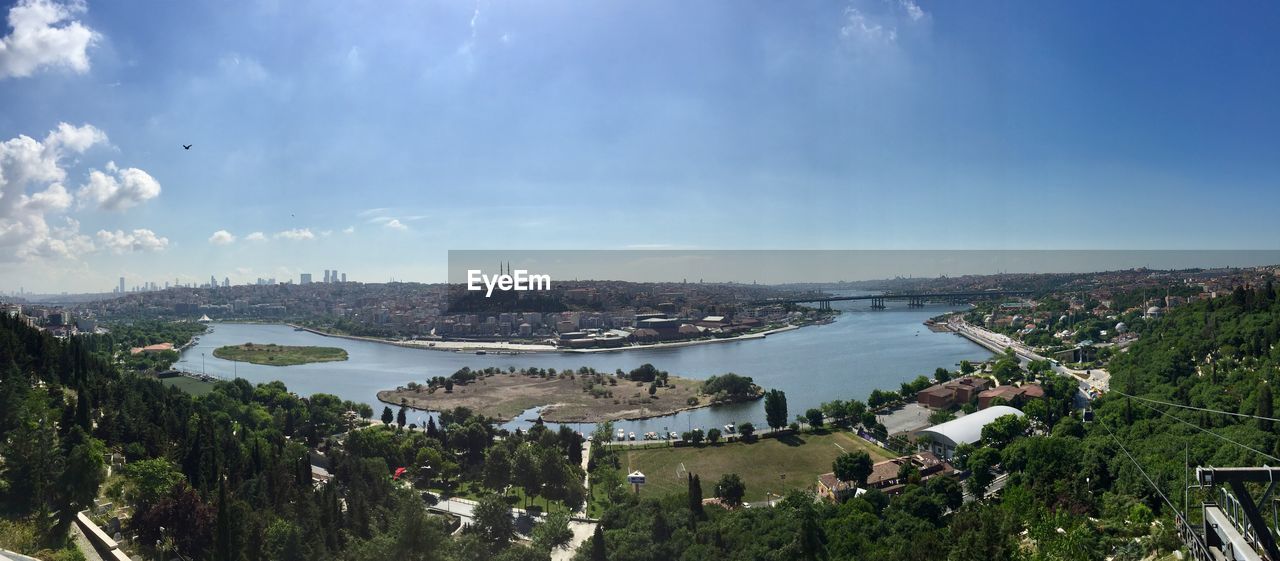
[1194, 408]
[1140, 470]
[1202, 429]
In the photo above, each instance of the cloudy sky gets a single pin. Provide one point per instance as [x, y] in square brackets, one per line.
[374, 136]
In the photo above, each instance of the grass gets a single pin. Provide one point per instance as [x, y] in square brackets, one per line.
[279, 355]
[768, 465]
[188, 384]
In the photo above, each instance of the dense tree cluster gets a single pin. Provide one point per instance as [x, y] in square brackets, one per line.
[228, 476]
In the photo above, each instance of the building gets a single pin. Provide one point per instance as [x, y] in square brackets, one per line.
[885, 476]
[943, 439]
[1012, 395]
[121, 285]
[305, 278]
[954, 392]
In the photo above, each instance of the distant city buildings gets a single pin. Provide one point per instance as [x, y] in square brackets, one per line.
[305, 278]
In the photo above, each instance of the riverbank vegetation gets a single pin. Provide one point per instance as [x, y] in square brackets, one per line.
[279, 355]
[582, 395]
[125, 336]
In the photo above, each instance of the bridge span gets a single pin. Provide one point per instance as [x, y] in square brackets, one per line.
[914, 299]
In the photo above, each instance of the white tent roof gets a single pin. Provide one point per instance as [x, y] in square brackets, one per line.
[967, 429]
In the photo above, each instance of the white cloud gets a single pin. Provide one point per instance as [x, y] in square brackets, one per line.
[222, 237]
[44, 33]
[349, 230]
[869, 24]
[31, 189]
[256, 237]
[395, 224]
[913, 10]
[119, 189]
[859, 26]
[141, 239]
[296, 234]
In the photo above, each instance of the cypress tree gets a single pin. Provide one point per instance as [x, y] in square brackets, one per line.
[695, 497]
[598, 552]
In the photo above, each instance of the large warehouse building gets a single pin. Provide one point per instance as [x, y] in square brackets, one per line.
[943, 439]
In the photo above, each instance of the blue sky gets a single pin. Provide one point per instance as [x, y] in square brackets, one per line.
[372, 137]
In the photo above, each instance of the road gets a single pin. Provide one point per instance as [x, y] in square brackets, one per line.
[1096, 380]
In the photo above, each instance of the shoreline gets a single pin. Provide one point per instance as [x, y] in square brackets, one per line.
[504, 347]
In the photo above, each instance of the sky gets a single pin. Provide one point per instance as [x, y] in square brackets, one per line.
[373, 137]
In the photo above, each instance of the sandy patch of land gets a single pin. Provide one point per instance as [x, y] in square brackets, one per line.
[570, 398]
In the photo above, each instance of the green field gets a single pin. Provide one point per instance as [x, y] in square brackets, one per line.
[769, 465]
[187, 384]
[279, 355]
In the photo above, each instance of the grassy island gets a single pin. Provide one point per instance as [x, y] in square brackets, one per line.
[582, 395]
[279, 355]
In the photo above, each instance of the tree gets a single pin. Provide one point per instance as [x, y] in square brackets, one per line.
[1264, 406]
[1001, 431]
[746, 430]
[775, 408]
[966, 367]
[387, 416]
[941, 416]
[853, 467]
[553, 532]
[493, 521]
[695, 498]
[400, 417]
[524, 470]
[598, 551]
[980, 464]
[497, 468]
[85, 470]
[730, 489]
[713, 435]
[814, 417]
[941, 374]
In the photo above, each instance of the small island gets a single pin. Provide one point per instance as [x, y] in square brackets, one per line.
[279, 355]
[572, 396]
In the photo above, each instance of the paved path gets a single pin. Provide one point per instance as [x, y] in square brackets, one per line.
[83, 544]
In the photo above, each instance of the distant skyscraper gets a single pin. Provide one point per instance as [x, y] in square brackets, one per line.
[326, 275]
[344, 277]
[121, 285]
[333, 277]
[226, 282]
[305, 278]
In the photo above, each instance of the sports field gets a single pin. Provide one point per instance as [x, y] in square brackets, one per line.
[769, 465]
[187, 384]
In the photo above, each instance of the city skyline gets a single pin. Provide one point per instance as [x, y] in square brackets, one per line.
[381, 139]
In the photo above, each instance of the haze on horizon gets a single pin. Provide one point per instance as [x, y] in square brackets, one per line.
[374, 137]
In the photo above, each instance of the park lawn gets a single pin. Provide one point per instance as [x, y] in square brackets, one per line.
[279, 355]
[188, 384]
[768, 465]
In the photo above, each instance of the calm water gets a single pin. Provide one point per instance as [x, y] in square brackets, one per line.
[861, 351]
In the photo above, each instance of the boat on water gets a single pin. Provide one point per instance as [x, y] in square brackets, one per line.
[482, 352]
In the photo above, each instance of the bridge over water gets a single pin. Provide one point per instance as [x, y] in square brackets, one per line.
[914, 299]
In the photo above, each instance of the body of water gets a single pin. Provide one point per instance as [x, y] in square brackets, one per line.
[860, 351]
